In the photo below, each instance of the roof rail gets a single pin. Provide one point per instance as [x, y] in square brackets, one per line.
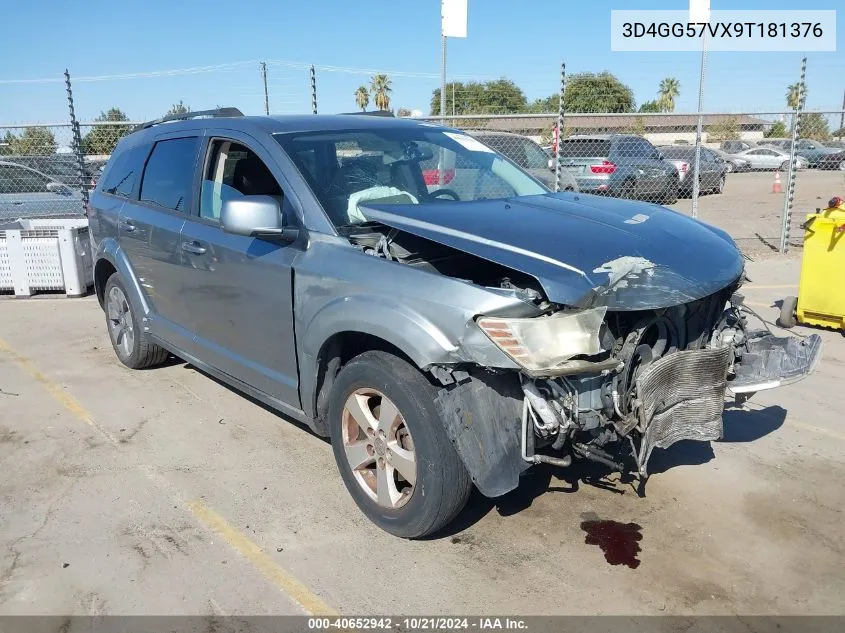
[218, 112]
[370, 113]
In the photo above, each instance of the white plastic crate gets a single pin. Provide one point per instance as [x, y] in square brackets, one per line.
[47, 254]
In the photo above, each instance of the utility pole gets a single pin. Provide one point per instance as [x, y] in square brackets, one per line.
[266, 96]
[842, 116]
[443, 80]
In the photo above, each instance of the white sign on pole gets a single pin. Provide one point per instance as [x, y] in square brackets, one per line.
[453, 18]
[699, 11]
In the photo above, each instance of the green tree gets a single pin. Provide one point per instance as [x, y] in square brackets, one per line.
[501, 96]
[650, 106]
[793, 96]
[778, 130]
[178, 108]
[726, 129]
[35, 141]
[814, 126]
[380, 87]
[405, 112]
[637, 127]
[548, 105]
[602, 92]
[362, 98]
[6, 143]
[669, 89]
[102, 139]
[839, 133]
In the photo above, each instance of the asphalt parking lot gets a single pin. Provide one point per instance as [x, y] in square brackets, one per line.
[163, 491]
[751, 213]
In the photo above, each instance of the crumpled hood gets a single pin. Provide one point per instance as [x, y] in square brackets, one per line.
[584, 250]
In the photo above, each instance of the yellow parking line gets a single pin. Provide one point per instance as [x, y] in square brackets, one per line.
[274, 572]
[60, 395]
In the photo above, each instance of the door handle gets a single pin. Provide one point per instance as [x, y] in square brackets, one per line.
[193, 247]
[127, 226]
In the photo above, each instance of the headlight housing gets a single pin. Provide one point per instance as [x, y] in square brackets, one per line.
[540, 344]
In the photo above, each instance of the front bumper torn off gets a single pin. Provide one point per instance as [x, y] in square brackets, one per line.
[771, 361]
[682, 396]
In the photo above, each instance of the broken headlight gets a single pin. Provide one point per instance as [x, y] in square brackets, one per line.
[542, 343]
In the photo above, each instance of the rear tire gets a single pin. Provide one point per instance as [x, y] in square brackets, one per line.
[787, 318]
[785, 165]
[396, 404]
[729, 167]
[132, 345]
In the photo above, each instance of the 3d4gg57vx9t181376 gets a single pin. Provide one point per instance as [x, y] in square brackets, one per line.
[416, 296]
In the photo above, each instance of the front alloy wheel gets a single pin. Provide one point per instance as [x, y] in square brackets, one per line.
[391, 446]
[379, 448]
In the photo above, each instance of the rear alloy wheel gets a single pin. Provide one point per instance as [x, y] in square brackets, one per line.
[842, 166]
[729, 167]
[720, 187]
[391, 447]
[131, 344]
[785, 165]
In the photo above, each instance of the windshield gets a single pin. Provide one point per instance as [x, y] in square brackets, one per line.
[346, 169]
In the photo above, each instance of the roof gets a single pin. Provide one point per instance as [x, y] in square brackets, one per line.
[625, 121]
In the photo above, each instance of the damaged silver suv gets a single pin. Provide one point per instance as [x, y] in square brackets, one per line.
[437, 312]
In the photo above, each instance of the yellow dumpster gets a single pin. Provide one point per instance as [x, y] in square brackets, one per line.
[821, 293]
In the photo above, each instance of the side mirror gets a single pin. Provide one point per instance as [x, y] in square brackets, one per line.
[256, 216]
[59, 188]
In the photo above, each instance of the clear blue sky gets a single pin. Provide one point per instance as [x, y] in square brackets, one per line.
[522, 41]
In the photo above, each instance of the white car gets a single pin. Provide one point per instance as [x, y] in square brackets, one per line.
[770, 158]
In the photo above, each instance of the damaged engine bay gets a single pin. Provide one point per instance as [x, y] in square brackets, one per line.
[597, 382]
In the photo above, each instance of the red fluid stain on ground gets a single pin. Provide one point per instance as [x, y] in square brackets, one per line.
[620, 542]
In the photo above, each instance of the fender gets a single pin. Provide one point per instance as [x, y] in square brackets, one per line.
[109, 250]
[423, 342]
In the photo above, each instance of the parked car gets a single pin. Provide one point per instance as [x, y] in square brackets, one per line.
[733, 162]
[832, 161]
[528, 155]
[442, 339]
[735, 147]
[62, 168]
[712, 168]
[621, 165]
[28, 193]
[765, 157]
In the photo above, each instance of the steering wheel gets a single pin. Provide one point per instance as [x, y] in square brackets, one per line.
[445, 192]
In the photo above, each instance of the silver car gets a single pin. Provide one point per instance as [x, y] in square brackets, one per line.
[766, 157]
[29, 193]
[445, 336]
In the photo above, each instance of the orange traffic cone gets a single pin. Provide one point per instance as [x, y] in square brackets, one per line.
[776, 186]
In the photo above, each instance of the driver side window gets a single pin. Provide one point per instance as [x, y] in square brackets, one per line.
[234, 171]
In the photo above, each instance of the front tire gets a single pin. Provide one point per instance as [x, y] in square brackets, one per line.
[391, 447]
[131, 344]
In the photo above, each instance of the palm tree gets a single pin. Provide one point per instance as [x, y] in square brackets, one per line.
[362, 97]
[381, 89]
[669, 89]
[793, 96]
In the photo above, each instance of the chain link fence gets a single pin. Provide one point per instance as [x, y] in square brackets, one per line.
[743, 170]
[40, 168]
[743, 173]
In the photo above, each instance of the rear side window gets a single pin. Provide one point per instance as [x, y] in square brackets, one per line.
[585, 147]
[169, 175]
[634, 147]
[121, 176]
